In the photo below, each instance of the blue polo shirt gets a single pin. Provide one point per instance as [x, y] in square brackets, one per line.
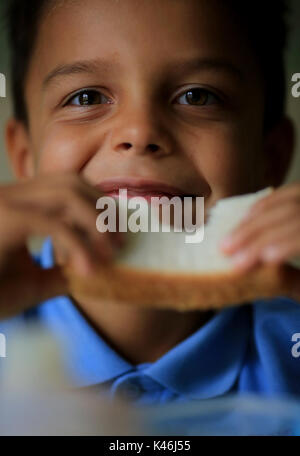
[241, 349]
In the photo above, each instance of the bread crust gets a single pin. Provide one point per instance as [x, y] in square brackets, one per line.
[180, 291]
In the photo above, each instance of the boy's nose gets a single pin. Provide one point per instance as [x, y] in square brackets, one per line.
[140, 133]
[137, 148]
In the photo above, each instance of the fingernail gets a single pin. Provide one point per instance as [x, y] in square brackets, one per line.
[253, 210]
[240, 258]
[227, 242]
[83, 266]
[270, 253]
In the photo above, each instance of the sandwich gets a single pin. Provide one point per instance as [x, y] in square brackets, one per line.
[162, 270]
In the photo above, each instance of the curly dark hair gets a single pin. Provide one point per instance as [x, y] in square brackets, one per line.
[264, 22]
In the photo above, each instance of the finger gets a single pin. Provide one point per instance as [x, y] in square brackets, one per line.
[285, 193]
[281, 251]
[77, 207]
[19, 227]
[82, 216]
[42, 191]
[255, 253]
[32, 288]
[51, 283]
[291, 280]
[248, 230]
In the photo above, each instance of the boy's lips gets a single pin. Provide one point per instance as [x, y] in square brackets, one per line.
[139, 187]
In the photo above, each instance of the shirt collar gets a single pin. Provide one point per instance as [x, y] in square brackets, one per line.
[207, 363]
[204, 365]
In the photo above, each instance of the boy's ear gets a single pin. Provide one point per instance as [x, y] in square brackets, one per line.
[279, 152]
[19, 150]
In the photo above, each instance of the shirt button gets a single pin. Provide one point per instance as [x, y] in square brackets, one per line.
[130, 391]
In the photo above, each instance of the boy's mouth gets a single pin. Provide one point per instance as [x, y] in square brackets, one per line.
[140, 187]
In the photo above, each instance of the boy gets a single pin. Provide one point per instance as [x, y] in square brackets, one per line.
[141, 95]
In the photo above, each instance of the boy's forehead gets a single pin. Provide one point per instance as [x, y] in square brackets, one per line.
[174, 21]
[71, 25]
[136, 34]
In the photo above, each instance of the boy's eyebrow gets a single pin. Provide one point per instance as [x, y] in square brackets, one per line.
[178, 67]
[82, 66]
[202, 64]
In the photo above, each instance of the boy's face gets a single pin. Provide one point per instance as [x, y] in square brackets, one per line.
[177, 75]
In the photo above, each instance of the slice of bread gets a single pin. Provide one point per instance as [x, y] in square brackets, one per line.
[161, 270]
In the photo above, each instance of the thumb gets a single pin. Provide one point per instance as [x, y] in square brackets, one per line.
[291, 282]
[51, 283]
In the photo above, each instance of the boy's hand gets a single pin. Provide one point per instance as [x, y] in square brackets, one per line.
[63, 207]
[270, 233]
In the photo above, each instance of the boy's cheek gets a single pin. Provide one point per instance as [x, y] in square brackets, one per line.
[63, 150]
[231, 160]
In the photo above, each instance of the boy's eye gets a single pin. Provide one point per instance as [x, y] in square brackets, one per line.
[197, 97]
[87, 98]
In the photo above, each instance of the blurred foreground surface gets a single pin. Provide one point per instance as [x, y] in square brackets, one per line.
[37, 399]
[67, 415]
